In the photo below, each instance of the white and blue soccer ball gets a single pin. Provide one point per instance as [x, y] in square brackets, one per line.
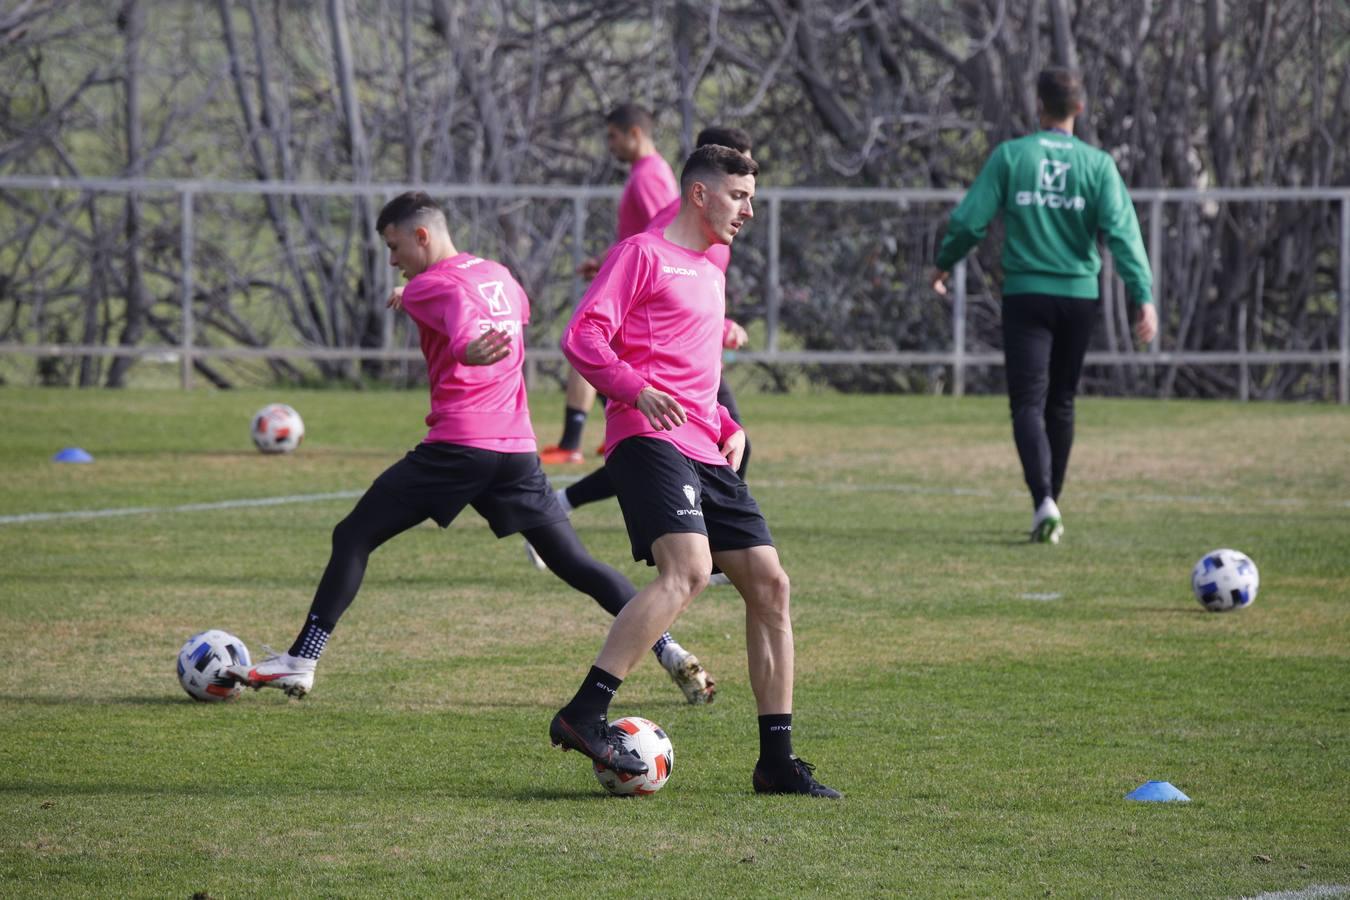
[652, 746]
[277, 428]
[201, 663]
[1224, 580]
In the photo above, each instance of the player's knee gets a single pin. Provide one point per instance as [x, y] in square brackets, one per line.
[772, 595]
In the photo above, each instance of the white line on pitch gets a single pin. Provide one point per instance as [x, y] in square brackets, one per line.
[184, 507]
[1308, 893]
[24, 518]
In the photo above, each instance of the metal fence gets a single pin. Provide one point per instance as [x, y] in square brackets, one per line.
[771, 203]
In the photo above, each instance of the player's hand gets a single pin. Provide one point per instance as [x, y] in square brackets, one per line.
[663, 411]
[733, 448]
[492, 346]
[395, 300]
[589, 268]
[940, 282]
[734, 336]
[1146, 326]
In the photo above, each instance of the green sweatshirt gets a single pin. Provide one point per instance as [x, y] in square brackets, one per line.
[1056, 194]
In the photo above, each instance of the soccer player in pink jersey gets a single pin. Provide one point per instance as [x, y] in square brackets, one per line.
[479, 451]
[648, 334]
[598, 485]
[650, 187]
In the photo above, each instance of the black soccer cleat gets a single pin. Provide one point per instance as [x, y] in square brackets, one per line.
[796, 780]
[597, 740]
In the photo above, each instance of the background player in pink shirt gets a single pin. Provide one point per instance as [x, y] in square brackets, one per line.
[650, 187]
[479, 450]
[648, 334]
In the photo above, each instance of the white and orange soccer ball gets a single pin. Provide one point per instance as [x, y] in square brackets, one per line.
[645, 738]
[277, 429]
[201, 661]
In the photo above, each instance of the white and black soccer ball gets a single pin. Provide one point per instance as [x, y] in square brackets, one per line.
[649, 742]
[277, 429]
[200, 663]
[1224, 580]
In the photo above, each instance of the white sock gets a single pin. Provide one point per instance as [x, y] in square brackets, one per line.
[670, 653]
[1047, 510]
[561, 494]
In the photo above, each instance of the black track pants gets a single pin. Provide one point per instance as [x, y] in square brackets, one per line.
[1044, 341]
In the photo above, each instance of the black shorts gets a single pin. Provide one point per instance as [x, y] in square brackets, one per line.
[507, 489]
[662, 491]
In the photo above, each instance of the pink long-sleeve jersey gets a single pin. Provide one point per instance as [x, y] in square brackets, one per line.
[651, 186]
[453, 302]
[654, 316]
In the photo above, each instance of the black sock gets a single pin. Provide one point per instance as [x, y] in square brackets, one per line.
[311, 640]
[574, 422]
[775, 739]
[592, 700]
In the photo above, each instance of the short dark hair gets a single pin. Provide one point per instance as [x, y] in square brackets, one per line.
[628, 115]
[413, 206]
[726, 136]
[1060, 91]
[715, 159]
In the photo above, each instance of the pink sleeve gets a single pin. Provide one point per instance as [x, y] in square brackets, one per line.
[599, 316]
[727, 325]
[458, 327]
[729, 425]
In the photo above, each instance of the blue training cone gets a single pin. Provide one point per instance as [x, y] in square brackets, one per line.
[1157, 792]
[73, 455]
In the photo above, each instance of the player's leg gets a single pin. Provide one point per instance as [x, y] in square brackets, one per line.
[598, 485]
[519, 499]
[1077, 318]
[432, 481]
[744, 550]
[580, 399]
[682, 562]
[377, 517]
[1027, 340]
[659, 498]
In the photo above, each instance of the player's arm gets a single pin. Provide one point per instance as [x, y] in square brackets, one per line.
[733, 335]
[597, 319]
[470, 343]
[969, 222]
[1119, 223]
[731, 440]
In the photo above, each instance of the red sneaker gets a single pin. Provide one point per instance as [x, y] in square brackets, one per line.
[556, 455]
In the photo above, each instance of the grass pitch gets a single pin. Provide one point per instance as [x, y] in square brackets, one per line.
[984, 704]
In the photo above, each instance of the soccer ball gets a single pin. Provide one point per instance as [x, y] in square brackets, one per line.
[200, 663]
[1224, 580]
[277, 429]
[652, 746]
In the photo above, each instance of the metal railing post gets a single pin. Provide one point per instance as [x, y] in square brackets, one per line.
[188, 335]
[773, 292]
[959, 329]
[1344, 381]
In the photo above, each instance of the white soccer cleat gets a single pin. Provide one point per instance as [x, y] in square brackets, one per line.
[1047, 525]
[718, 578]
[292, 674]
[688, 673]
[535, 559]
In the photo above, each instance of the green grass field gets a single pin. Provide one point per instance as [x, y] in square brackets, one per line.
[984, 704]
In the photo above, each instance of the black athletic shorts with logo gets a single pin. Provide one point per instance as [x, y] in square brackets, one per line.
[510, 490]
[662, 491]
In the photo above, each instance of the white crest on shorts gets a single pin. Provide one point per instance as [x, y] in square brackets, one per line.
[689, 494]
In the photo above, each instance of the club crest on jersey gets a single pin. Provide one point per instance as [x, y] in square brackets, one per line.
[494, 292]
[1054, 175]
[679, 270]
